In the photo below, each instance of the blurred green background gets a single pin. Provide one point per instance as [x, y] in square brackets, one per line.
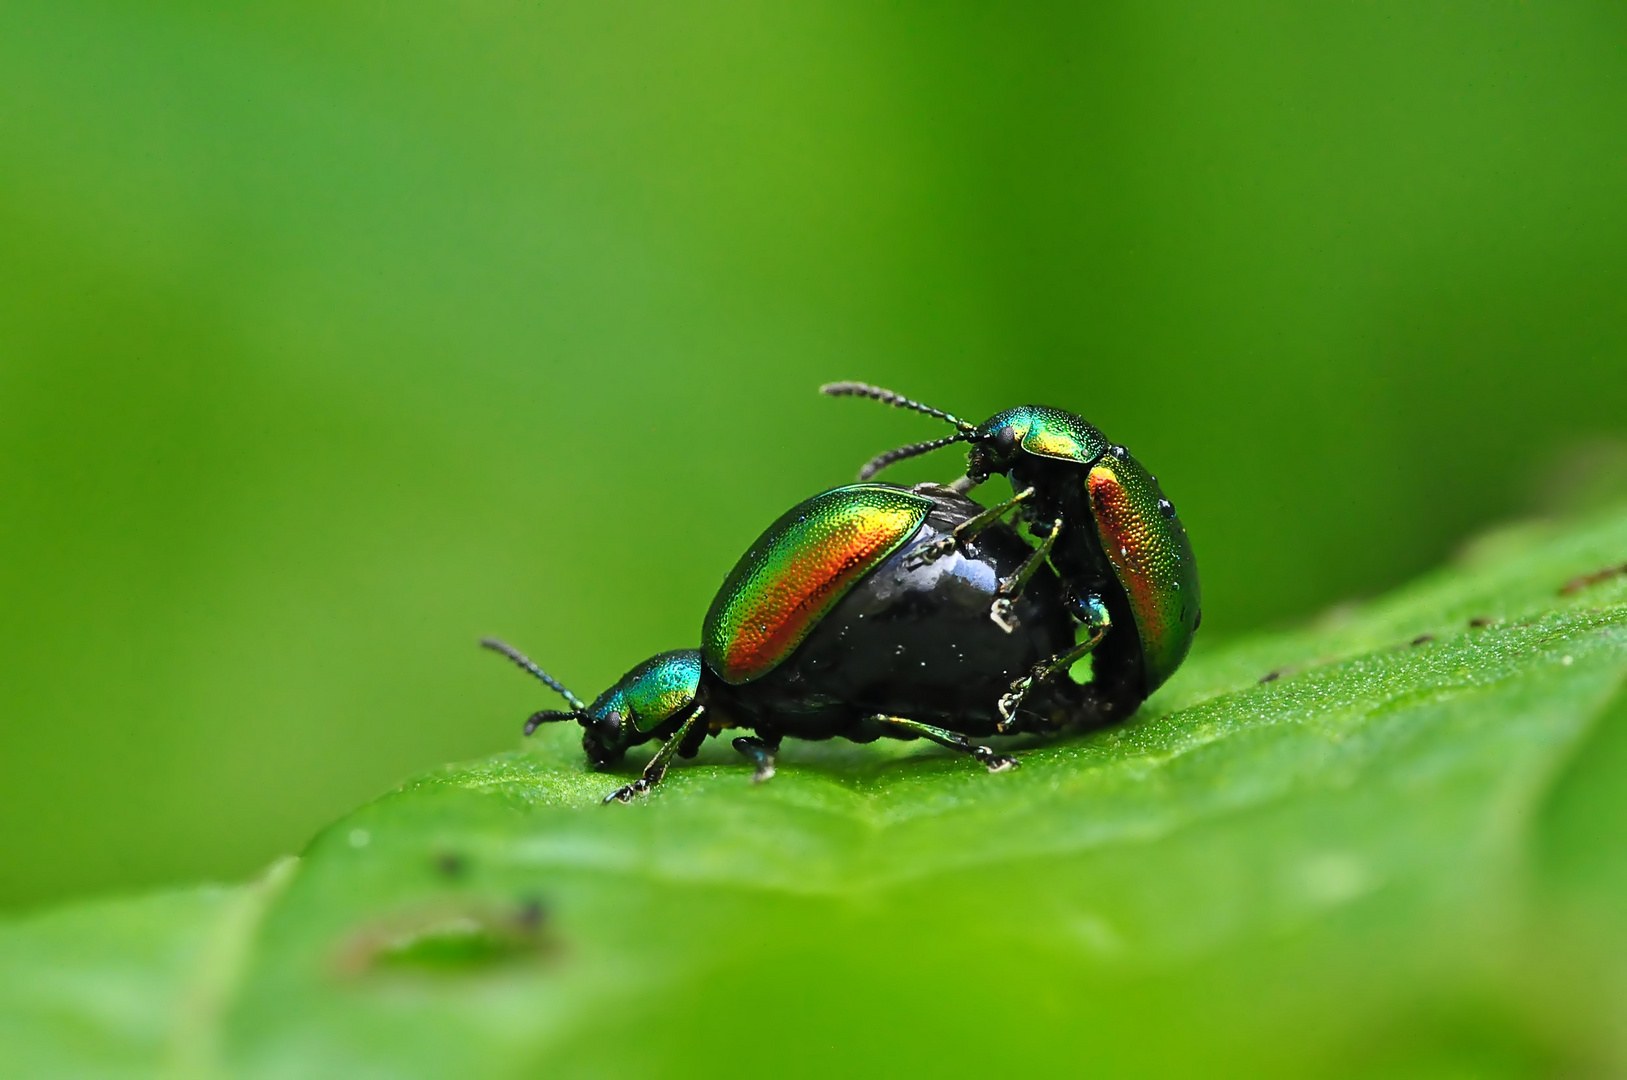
[333, 336]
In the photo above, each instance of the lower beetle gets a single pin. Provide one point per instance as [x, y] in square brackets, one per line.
[826, 628]
[1103, 521]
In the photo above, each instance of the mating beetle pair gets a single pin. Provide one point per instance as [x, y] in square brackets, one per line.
[873, 610]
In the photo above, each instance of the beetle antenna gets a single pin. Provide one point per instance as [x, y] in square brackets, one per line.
[881, 461]
[548, 716]
[887, 397]
[525, 662]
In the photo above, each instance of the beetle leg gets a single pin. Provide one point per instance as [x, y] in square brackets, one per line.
[1097, 622]
[760, 753]
[933, 550]
[954, 740]
[1011, 587]
[657, 768]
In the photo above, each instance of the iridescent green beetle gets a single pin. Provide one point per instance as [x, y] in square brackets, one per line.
[824, 628]
[1103, 521]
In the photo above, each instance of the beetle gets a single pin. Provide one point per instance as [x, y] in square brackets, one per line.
[1102, 520]
[824, 629]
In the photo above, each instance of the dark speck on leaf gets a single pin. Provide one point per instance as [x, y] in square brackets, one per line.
[451, 864]
[1577, 584]
[1481, 621]
[1271, 676]
[1423, 639]
[463, 935]
[531, 914]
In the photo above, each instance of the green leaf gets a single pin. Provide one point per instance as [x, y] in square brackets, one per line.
[124, 987]
[1391, 856]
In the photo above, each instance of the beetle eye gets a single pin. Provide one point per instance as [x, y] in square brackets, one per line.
[611, 725]
[1005, 439]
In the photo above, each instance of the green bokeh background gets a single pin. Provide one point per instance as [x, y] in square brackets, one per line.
[333, 336]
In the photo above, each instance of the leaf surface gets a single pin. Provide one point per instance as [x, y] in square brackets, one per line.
[1400, 849]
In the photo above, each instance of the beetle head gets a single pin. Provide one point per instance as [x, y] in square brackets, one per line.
[1039, 431]
[998, 444]
[643, 699]
[660, 689]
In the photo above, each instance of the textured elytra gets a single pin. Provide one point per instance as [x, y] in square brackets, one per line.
[1151, 557]
[798, 569]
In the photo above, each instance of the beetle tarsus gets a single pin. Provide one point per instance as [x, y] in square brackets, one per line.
[626, 792]
[994, 762]
[1004, 615]
[1010, 702]
[929, 553]
[657, 768]
[760, 753]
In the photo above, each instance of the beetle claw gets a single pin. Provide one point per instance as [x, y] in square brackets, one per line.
[929, 552]
[995, 763]
[1004, 615]
[626, 792]
[1008, 707]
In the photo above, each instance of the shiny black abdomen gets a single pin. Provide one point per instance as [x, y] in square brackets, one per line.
[919, 643]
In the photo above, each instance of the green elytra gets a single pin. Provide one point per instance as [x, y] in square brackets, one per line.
[1152, 558]
[796, 572]
[1062, 467]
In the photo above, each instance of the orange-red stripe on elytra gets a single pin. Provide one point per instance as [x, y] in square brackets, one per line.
[797, 571]
[1152, 559]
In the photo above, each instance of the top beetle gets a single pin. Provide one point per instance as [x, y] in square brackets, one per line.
[1103, 521]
